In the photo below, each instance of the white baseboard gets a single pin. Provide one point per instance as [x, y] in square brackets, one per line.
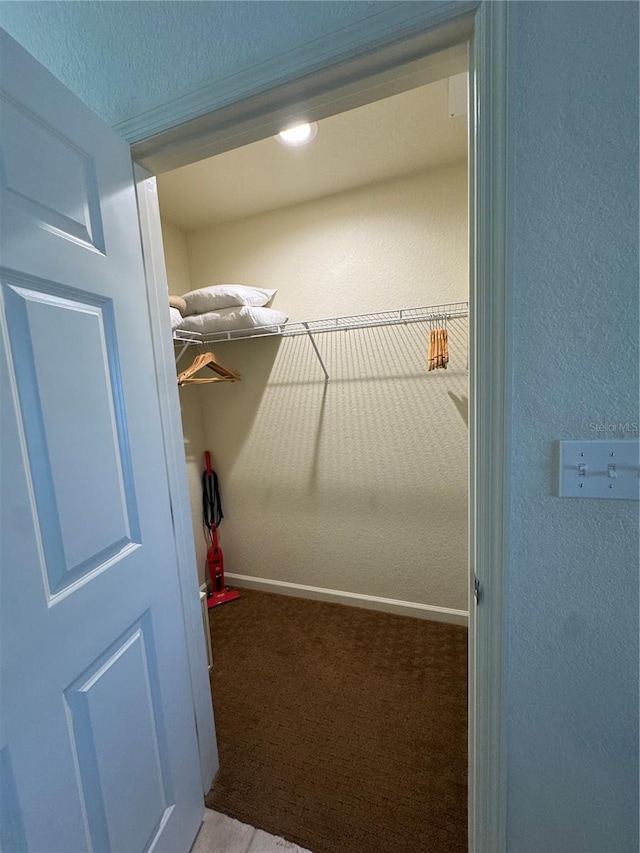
[355, 599]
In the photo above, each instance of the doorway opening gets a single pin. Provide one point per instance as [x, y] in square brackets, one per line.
[343, 457]
[260, 116]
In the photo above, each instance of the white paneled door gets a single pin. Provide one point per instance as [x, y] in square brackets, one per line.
[98, 746]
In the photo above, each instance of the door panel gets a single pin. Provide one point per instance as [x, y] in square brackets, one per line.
[98, 745]
[59, 189]
[61, 451]
[134, 722]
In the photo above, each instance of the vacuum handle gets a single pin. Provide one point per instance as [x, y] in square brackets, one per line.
[207, 459]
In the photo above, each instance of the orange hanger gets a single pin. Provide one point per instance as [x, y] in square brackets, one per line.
[207, 359]
[438, 349]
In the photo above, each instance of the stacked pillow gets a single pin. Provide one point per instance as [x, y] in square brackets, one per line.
[177, 309]
[178, 303]
[176, 318]
[229, 307]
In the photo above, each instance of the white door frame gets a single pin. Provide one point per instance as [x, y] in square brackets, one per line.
[248, 110]
[157, 298]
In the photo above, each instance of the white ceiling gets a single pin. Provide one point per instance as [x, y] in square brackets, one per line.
[388, 138]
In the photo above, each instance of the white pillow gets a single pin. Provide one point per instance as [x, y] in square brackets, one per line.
[176, 318]
[225, 296]
[232, 319]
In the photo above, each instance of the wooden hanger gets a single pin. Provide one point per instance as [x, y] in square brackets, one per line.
[438, 349]
[207, 359]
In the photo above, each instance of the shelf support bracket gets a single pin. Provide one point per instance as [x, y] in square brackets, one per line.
[317, 352]
[184, 348]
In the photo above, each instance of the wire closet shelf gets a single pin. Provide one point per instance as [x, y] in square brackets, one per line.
[402, 316]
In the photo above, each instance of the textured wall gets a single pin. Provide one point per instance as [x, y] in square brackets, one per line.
[123, 58]
[176, 260]
[389, 245]
[573, 586]
[361, 485]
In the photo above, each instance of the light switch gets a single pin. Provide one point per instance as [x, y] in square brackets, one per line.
[600, 469]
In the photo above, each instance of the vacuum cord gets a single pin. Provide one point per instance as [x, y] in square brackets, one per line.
[211, 505]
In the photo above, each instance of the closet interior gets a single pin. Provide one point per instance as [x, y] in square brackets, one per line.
[360, 486]
[338, 426]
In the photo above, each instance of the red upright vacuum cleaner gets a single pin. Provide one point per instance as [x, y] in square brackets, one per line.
[217, 592]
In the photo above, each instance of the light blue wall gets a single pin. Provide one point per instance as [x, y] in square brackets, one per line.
[123, 58]
[573, 655]
[572, 693]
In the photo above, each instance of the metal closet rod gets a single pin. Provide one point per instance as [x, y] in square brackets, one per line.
[398, 317]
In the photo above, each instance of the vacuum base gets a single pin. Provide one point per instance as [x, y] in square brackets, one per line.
[222, 597]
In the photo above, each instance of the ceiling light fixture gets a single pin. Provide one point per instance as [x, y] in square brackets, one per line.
[298, 134]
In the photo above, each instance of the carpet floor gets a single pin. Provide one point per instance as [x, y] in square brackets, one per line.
[342, 729]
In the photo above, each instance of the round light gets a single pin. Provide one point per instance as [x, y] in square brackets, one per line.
[298, 134]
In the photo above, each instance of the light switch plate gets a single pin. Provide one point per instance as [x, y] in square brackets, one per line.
[600, 469]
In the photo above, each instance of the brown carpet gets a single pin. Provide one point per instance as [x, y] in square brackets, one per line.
[341, 729]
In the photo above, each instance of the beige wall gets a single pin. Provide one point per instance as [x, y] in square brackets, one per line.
[191, 402]
[394, 244]
[176, 258]
[360, 485]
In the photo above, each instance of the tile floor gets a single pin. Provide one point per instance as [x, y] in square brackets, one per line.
[222, 834]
